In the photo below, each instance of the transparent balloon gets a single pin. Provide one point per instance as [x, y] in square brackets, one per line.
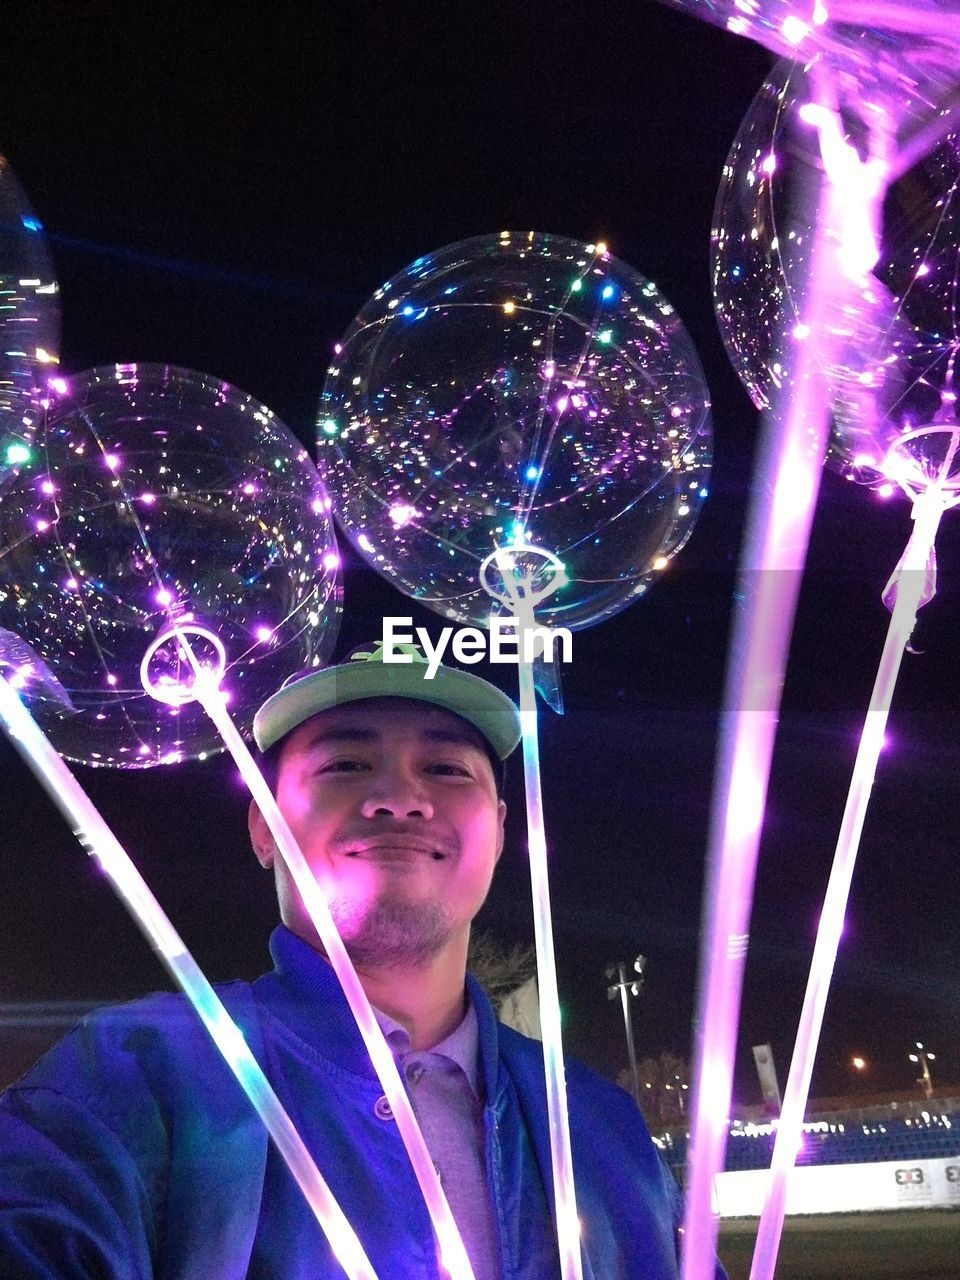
[514, 389]
[29, 321]
[158, 499]
[892, 379]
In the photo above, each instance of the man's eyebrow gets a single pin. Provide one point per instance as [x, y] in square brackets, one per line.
[342, 733]
[457, 736]
[357, 733]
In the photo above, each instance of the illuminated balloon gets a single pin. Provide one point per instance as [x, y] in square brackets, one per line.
[29, 321]
[892, 382]
[157, 496]
[517, 388]
[801, 28]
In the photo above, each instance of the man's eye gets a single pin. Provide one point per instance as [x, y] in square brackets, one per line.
[447, 769]
[342, 766]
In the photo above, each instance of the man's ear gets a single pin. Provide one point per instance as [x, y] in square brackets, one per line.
[260, 836]
[501, 817]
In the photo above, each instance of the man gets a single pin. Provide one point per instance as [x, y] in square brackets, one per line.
[130, 1151]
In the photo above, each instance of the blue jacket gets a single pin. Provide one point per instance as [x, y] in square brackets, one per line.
[130, 1151]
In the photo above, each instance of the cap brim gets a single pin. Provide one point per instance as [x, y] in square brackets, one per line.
[477, 701]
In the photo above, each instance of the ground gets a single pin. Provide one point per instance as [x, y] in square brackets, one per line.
[921, 1245]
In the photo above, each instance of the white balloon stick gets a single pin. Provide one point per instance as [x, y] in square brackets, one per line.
[909, 589]
[568, 1223]
[521, 597]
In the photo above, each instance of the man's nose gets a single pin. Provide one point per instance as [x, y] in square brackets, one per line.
[397, 793]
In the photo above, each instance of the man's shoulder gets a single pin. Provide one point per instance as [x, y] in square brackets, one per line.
[584, 1085]
[618, 1159]
[117, 1044]
[132, 1093]
[518, 1046]
[166, 1015]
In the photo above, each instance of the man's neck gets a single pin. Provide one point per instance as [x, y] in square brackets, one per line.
[428, 1000]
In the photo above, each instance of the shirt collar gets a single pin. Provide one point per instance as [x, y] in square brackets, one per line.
[461, 1046]
[303, 991]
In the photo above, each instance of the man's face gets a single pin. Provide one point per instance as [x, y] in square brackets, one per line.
[394, 805]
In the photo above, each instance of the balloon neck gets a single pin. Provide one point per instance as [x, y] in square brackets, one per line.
[925, 462]
[521, 576]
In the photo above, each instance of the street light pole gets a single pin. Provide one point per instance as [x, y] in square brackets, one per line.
[627, 987]
[924, 1057]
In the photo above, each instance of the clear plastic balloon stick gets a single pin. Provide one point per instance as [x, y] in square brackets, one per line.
[769, 581]
[205, 689]
[568, 1224]
[785, 490]
[909, 591]
[102, 845]
[521, 594]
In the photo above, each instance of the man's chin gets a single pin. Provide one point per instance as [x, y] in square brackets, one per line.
[393, 932]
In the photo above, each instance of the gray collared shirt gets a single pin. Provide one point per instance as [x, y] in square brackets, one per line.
[444, 1087]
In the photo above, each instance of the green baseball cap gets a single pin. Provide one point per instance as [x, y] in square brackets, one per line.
[364, 674]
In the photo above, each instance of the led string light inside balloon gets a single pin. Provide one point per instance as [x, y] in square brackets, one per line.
[595, 332]
[520, 578]
[102, 845]
[410, 513]
[205, 689]
[59, 387]
[155, 494]
[792, 451]
[910, 588]
[539, 449]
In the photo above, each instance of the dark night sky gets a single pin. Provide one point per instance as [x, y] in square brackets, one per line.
[223, 186]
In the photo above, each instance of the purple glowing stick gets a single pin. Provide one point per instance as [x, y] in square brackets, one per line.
[909, 584]
[778, 530]
[206, 690]
[521, 595]
[100, 842]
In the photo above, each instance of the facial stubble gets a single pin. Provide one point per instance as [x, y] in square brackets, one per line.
[391, 932]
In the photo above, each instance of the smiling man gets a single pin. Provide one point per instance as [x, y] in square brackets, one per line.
[395, 807]
[130, 1152]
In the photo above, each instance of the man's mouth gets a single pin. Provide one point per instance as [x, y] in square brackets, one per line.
[395, 848]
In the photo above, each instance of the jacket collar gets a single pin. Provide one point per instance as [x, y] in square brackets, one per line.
[303, 992]
[488, 1038]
